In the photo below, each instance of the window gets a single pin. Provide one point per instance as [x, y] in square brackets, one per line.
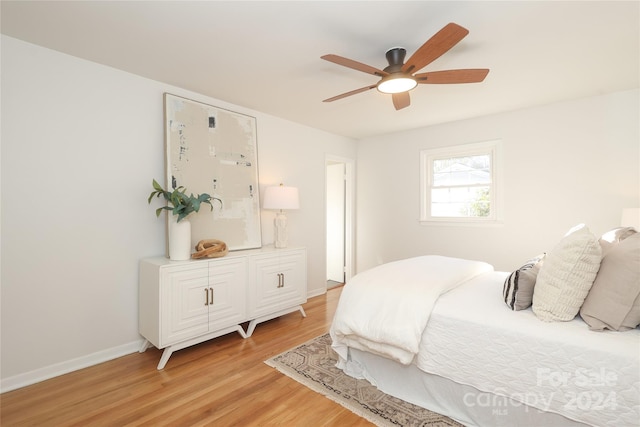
[461, 183]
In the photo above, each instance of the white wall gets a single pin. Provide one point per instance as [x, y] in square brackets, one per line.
[81, 143]
[564, 164]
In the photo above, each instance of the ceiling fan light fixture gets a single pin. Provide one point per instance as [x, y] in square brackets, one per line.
[396, 84]
[399, 77]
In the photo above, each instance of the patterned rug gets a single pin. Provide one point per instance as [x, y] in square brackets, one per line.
[313, 365]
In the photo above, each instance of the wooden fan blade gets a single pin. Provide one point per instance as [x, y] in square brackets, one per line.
[471, 75]
[433, 48]
[353, 92]
[359, 66]
[401, 100]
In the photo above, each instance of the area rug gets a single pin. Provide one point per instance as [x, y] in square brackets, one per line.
[313, 365]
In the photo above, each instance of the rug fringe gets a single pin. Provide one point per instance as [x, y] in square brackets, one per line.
[323, 391]
[319, 388]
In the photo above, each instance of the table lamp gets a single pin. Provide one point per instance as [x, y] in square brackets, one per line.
[280, 198]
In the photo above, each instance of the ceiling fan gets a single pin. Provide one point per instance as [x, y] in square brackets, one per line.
[398, 78]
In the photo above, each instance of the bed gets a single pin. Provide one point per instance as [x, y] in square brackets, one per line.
[437, 332]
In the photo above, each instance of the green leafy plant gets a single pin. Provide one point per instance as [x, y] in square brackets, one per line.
[178, 202]
[481, 207]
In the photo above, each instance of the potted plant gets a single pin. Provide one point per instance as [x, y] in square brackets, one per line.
[178, 202]
[180, 205]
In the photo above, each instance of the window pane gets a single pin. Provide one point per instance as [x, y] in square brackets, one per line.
[467, 170]
[461, 183]
[460, 202]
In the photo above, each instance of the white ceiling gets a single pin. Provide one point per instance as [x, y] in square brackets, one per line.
[265, 55]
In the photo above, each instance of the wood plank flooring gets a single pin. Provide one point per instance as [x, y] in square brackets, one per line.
[222, 382]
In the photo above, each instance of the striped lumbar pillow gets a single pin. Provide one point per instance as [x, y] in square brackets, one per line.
[518, 287]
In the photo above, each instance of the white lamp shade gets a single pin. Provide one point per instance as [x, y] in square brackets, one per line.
[281, 197]
[631, 218]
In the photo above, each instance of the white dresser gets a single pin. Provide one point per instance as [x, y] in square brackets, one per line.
[182, 303]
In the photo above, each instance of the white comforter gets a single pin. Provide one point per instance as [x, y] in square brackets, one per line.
[385, 310]
[472, 338]
[562, 367]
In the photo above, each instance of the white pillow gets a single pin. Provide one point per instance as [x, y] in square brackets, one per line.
[567, 275]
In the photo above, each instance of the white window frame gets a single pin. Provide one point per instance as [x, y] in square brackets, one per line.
[427, 157]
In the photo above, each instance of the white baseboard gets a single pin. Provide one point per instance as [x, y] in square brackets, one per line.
[28, 378]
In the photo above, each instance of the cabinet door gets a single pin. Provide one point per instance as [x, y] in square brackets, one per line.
[185, 303]
[278, 282]
[227, 280]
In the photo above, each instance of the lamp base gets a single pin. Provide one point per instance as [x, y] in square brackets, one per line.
[280, 230]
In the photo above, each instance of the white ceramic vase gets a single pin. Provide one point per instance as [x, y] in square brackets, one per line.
[179, 239]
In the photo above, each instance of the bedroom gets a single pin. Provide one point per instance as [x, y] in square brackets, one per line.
[81, 178]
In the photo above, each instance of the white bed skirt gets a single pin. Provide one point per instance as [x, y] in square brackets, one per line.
[463, 403]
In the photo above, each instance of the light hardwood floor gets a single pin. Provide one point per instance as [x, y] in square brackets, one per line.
[222, 382]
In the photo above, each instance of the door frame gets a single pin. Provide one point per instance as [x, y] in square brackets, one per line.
[349, 206]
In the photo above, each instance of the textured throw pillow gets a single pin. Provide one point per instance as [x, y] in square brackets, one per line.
[614, 300]
[567, 275]
[517, 290]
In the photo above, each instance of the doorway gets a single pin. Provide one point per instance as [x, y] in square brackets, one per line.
[339, 199]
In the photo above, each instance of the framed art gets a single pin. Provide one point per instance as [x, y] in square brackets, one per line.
[212, 150]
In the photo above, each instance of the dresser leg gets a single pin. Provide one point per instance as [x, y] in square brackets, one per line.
[254, 322]
[241, 332]
[145, 345]
[166, 354]
[251, 328]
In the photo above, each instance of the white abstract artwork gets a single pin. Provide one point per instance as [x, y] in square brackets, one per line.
[214, 151]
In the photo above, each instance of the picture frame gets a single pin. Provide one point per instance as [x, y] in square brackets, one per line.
[213, 150]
